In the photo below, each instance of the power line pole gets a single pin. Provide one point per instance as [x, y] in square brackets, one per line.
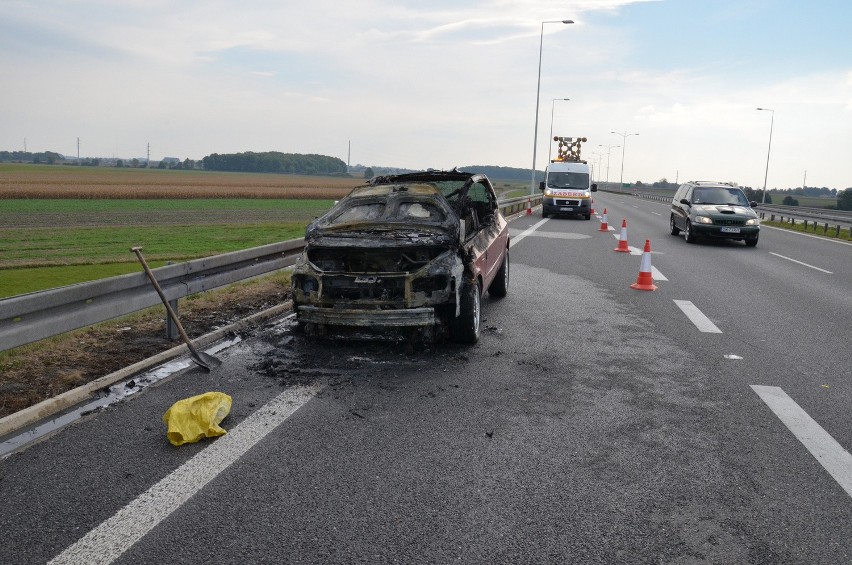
[78, 150]
[148, 157]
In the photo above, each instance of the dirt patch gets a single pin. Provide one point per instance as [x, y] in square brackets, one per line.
[43, 370]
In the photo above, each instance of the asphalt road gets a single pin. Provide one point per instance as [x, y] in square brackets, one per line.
[708, 421]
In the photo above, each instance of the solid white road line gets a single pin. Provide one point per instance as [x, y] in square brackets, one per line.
[695, 315]
[822, 238]
[526, 232]
[800, 263]
[116, 535]
[657, 275]
[830, 454]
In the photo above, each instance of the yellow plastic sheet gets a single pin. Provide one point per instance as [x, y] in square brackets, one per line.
[192, 419]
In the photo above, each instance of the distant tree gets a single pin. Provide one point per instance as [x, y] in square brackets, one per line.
[790, 201]
[135, 163]
[161, 165]
[188, 163]
[119, 163]
[844, 200]
[368, 173]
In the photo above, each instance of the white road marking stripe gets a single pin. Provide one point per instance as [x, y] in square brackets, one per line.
[656, 213]
[695, 316]
[800, 263]
[526, 232]
[830, 454]
[657, 275]
[117, 534]
[823, 238]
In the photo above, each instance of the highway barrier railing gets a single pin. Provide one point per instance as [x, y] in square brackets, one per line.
[39, 315]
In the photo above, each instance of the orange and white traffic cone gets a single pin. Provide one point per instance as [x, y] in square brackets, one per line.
[604, 225]
[529, 205]
[622, 238]
[645, 281]
[592, 207]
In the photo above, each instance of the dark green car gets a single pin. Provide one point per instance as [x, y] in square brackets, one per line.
[714, 210]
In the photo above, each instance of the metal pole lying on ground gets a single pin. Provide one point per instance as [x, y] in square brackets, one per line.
[199, 357]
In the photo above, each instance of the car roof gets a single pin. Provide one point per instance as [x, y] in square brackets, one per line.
[424, 176]
[712, 183]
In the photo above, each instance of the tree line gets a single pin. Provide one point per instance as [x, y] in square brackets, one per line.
[274, 162]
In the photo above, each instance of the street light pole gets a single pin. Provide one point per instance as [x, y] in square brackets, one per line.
[550, 139]
[624, 137]
[608, 150]
[766, 174]
[537, 95]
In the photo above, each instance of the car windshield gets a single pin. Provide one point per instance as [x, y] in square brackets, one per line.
[708, 196]
[568, 180]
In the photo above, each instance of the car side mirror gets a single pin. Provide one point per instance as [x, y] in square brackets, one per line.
[541, 186]
[685, 201]
[753, 204]
[594, 187]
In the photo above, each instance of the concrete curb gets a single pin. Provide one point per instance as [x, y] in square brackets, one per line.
[46, 408]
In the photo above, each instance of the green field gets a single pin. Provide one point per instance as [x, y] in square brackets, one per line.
[48, 243]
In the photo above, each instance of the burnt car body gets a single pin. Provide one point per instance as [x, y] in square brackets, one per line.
[412, 251]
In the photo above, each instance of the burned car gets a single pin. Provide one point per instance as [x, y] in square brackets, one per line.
[412, 251]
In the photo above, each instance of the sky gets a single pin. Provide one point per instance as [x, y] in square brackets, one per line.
[441, 83]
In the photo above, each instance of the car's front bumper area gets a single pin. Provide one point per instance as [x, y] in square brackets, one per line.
[410, 317]
[567, 206]
[715, 232]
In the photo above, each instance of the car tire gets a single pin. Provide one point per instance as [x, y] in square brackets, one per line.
[751, 241]
[587, 217]
[465, 327]
[543, 213]
[500, 285]
[673, 227]
[689, 234]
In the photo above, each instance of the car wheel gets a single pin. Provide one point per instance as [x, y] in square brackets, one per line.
[466, 324]
[690, 235]
[500, 285]
[587, 217]
[674, 229]
[543, 213]
[751, 241]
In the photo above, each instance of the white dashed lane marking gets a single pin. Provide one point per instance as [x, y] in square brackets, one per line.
[830, 454]
[697, 317]
[800, 263]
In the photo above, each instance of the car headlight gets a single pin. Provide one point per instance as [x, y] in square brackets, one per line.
[703, 220]
[753, 222]
[548, 192]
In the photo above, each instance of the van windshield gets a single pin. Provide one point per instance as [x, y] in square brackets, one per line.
[579, 181]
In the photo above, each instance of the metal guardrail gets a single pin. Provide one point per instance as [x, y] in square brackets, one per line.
[32, 317]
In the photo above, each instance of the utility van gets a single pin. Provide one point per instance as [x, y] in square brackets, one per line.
[567, 185]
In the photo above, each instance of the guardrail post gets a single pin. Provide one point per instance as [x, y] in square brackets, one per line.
[806, 225]
[171, 327]
[837, 231]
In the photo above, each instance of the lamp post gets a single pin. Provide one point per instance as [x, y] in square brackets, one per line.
[538, 91]
[550, 139]
[624, 137]
[766, 174]
[608, 149]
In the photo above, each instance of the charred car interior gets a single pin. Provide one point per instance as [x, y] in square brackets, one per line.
[412, 252]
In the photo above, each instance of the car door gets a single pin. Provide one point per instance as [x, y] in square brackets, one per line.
[681, 211]
[494, 233]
